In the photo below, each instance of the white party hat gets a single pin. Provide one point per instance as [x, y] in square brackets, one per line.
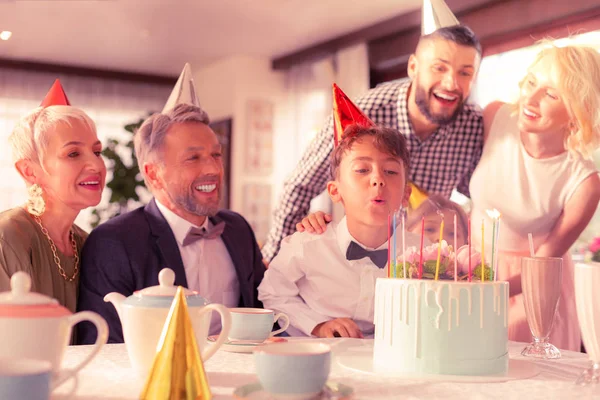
[184, 91]
[436, 14]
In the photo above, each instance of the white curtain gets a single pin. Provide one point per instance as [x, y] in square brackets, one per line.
[111, 103]
[310, 103]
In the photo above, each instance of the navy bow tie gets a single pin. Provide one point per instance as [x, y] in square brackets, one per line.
[356, 252]
[195, 234]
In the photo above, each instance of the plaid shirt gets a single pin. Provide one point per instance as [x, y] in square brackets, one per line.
[439, 164]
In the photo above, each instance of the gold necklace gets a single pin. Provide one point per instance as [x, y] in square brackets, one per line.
[61, 270]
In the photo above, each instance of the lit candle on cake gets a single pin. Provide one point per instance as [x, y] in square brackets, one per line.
[469, 240]
[404, 243]
[394, 244]
[495, 216]
[455, 249]
[439, 254]
[482, 249]
[496, 254]
[389, 246]
[421, 251]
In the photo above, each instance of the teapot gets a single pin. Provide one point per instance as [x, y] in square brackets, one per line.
[144, 313]
[35, 326]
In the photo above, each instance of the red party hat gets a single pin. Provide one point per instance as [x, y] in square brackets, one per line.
[56, 96]
[346, 113]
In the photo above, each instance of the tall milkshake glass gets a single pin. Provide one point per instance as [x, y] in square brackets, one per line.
[541, 280]
[587, 287]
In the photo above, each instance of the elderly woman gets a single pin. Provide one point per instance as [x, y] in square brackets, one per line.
[57, 153]
[534, 171]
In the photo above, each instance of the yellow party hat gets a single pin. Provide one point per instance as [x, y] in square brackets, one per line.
[177, 371]
[417, 196]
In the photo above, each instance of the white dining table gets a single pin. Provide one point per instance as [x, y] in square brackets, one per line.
[110, 377]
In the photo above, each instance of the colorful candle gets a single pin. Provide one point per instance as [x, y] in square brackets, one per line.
[482, 249]
[439, 254]
[469, 240]
[389, 245]
[421, 251]
[455, 248]
[495, 216]
[404, 243]
[496, 254]
[394, 244]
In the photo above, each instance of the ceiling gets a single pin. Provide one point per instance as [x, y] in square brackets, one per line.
[158, 36]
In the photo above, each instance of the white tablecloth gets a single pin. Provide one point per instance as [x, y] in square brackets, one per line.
[110, 377]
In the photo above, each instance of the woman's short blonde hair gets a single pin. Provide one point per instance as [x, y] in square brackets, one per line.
[29, 139]
[576, 70]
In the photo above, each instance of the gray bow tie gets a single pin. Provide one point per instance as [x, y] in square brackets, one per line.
[195, 234]
[356, 252]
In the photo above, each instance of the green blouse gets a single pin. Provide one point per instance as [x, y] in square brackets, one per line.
[23, 247]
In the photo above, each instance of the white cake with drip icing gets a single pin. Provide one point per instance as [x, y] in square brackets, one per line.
[441, 327]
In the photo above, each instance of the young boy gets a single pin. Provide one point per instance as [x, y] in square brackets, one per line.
[326, 283]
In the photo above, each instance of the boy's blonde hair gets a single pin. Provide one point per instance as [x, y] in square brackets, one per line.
[432, 205]
[576, 71]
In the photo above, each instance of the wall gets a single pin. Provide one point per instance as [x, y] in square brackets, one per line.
[225, 89]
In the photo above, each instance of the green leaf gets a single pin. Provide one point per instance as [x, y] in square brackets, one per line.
[126, 179]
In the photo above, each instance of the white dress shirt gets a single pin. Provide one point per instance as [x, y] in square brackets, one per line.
[311, 280]
[209, 269]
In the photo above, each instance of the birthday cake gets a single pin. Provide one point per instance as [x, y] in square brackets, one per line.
[444, 326]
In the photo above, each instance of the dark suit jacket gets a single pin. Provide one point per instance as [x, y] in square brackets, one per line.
[126, 253]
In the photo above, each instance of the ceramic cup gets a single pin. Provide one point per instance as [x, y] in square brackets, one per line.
[25, 379]
[255, 324]
[295, 369]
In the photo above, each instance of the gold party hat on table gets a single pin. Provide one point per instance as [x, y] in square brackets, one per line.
[177, 371]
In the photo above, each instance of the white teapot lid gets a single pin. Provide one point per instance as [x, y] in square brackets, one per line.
[166, 286]
[21, 294]
[162, 295]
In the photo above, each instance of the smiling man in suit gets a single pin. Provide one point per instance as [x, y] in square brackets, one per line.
[212, 252]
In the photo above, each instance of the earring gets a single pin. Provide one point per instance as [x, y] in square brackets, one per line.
[35, 204]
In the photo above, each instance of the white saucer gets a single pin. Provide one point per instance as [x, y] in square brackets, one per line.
[254, 391]
[357, 359]
[242, 346]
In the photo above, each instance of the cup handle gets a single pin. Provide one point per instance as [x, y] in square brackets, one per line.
[101, 340]
[225, 327]
[285, 325]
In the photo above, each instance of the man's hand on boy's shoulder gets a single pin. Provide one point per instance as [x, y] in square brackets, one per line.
[339, 327]
[314, 223]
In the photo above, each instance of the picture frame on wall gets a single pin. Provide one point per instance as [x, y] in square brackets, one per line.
[259, 137]
[223, 129]
[257, 209]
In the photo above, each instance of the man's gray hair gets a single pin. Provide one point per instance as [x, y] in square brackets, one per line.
[150, 137]
[29, 139]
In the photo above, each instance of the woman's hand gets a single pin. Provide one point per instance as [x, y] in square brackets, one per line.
[314, 223]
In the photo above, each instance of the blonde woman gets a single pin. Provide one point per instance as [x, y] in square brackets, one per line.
[57, 153]
[535, 171]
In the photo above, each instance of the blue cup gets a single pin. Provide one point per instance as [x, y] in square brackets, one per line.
[295, 369]
[255, 324]
[25, 379]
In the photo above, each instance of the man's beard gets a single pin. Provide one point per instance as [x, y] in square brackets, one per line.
[423, 100]
[189, 203]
